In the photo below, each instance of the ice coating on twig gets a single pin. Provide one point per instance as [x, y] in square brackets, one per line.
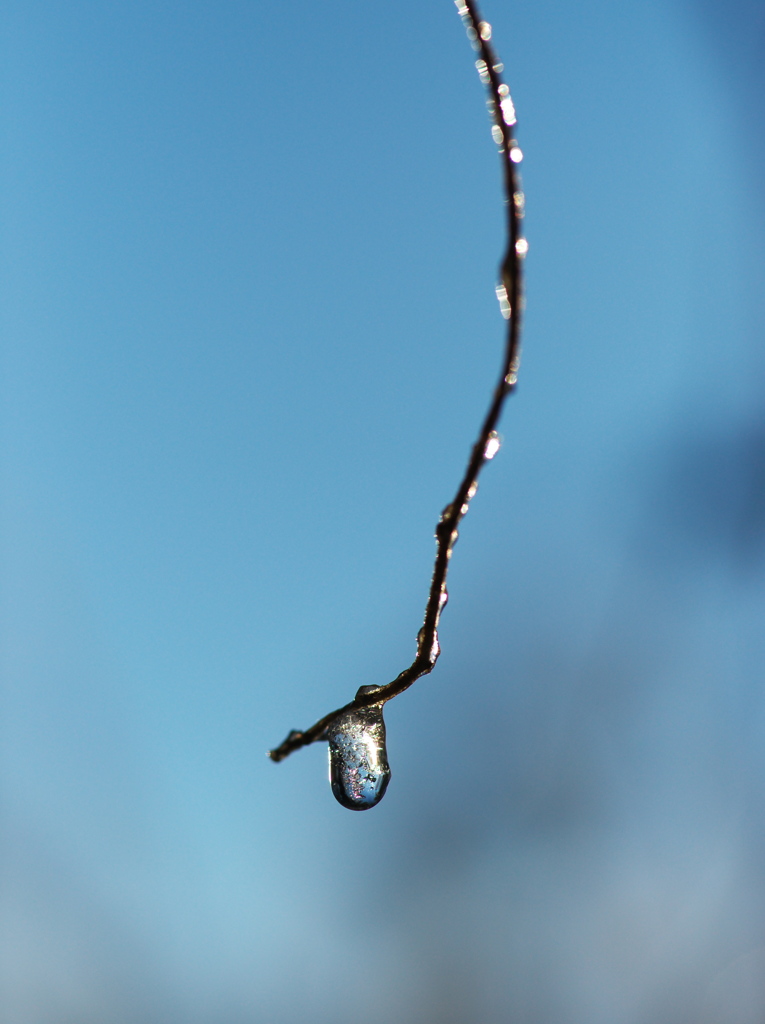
[346, 727]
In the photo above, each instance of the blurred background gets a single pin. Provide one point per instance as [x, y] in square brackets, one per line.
[249, 331]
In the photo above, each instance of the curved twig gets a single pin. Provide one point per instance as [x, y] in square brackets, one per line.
[509, 293]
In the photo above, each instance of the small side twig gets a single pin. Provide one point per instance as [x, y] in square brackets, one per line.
[509, 292]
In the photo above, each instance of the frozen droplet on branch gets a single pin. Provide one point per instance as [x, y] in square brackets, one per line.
[483, 71]
[358, 761]
[493, 443]
[504, 303]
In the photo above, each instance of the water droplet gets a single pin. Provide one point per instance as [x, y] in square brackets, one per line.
[521, 246]
[508, 111]
[496, 134]
[358, 761]
[516, 154]
[485, 30]
[504, 304]
[483, 71]
[435, 650]
[511, 377]
[492, 445]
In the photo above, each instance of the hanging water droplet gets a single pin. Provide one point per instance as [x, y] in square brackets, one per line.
[358, 761]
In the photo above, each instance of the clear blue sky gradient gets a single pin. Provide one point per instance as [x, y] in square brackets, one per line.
[248, 333]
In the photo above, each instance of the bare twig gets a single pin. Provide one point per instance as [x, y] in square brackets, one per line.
[509, 292]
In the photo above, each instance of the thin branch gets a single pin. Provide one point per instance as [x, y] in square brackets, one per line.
[509, 292]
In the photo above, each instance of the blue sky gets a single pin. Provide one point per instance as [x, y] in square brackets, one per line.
[249, 330]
